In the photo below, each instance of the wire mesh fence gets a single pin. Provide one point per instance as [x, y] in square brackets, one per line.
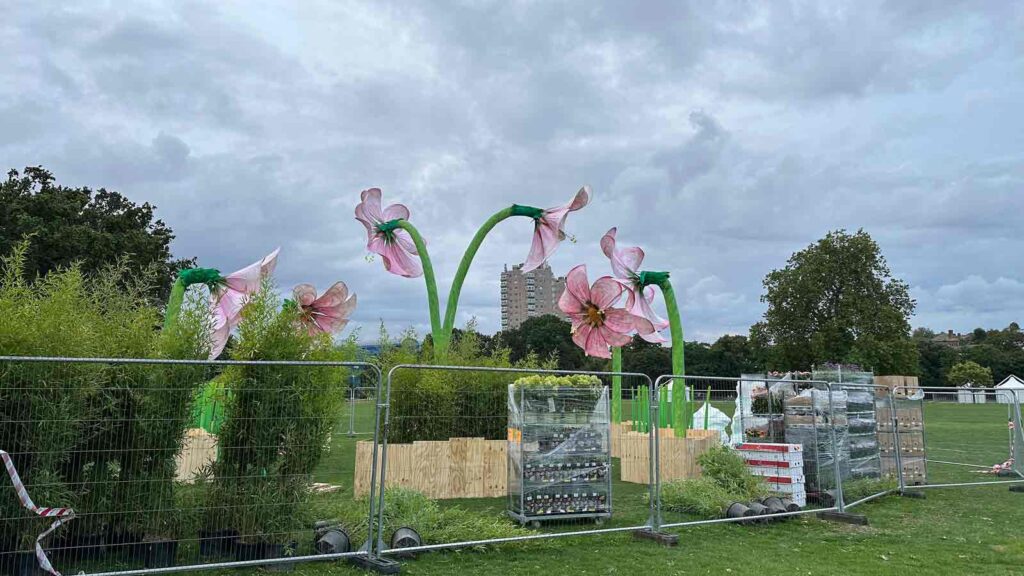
[959, 436]
[161, 465]
[506, 455]
[783, 459]
[125, 466]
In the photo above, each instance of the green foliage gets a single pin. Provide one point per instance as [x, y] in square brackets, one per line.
[441, 404]
[277, 421]
[553, 381]
[83, 432]
[728, 470]
[700, 496]
[546, 336]
[970, 373]
[837, 301]
[78, 225]
[435, 524]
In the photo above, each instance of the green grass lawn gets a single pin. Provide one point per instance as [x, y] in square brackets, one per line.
[954, 531]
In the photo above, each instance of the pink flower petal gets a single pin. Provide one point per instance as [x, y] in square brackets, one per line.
[605, 292]
[587, 338]
[304, 294]
[613, 338]
[622, 322]
[625, 262]
[395, 212]
[549, 230]
[269, 263]
[398, 261]
[370, 202]
[405, 241]
[577, 285]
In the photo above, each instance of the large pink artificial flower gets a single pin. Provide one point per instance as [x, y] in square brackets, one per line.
[230, 295]
[626, 268]
[329, 313]
[596, 324]
[549, 229]
[394, 245]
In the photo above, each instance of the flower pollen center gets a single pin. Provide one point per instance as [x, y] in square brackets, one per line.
[595, 316]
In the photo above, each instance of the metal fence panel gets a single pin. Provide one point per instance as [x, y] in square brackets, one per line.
[960, 437]
[502, 453]
[750, 414]
[174, 465]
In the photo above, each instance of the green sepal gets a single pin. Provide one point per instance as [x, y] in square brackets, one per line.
[652, 278]
[530, 211]
[389, 227]
[208, 276]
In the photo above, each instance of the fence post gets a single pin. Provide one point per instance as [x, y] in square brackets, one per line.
[839, 515]
[374, 544]
[653, 529]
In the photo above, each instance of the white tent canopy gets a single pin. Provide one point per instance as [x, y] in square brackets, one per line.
[1010, 383]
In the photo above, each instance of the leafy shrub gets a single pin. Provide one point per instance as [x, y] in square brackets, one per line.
[434, 523]
[277, 422]
[728, 470]
[62, 422]
[701, 496]
[441, 404]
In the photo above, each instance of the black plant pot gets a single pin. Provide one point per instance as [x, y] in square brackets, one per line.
[217, 542]
[406, 537]
[739, 510]
[760, 511]
[79, 547]
[790, 506]
[774, 505]
[124, 543]
[159, 552]
[333, 541]
[21, 564]
[264, 551]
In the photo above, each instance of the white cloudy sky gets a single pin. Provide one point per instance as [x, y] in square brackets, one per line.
[720, 137]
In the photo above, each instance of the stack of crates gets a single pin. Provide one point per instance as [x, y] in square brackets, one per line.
[780, 466]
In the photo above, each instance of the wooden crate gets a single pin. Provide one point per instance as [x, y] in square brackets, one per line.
[199, 450]
[678, 456]
[455, 468]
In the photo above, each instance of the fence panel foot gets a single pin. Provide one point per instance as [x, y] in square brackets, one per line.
[858, 519]
[378, 565]
[663, 538]
[1017, 488]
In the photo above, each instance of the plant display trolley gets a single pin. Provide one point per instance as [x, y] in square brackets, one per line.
[559, 460]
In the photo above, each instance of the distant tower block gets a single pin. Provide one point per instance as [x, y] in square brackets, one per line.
[528, 294]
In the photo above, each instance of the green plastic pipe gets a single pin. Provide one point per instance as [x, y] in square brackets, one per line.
[616, 385]
[452, 306]
[431, 282]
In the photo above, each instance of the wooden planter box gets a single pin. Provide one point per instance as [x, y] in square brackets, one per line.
[455, 468]
[678, 457]
[199, 451]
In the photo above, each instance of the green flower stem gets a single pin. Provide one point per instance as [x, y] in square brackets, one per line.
[680, 403]
[428, 277]
[442, 341]
[174, 303]
[186, 278]
[616, 385]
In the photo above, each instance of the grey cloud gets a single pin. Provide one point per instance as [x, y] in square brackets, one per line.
[721, 138]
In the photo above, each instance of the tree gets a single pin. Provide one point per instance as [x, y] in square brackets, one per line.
[94, 228]
[545, 336]
[970, 373]
[837, 301]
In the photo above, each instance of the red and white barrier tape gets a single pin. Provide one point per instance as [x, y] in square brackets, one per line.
[62, 515]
